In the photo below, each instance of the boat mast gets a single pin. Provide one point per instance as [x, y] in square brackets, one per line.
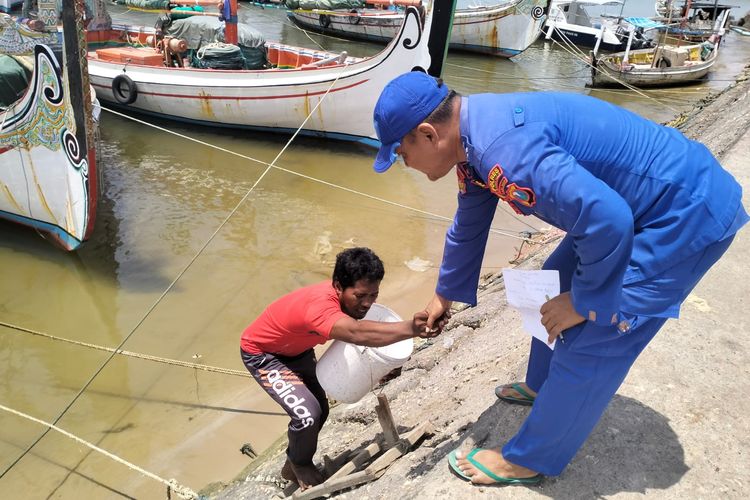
[440, 32]
[717, 26]
[229, 12]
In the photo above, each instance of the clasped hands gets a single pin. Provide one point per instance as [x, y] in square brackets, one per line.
[557, 313]
[431, 321]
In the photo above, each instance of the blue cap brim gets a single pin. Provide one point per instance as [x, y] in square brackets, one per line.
[384, 159]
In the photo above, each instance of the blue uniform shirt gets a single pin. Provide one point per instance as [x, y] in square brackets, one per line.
[635, 196]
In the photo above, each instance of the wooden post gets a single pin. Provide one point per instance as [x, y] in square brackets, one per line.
[383, 409]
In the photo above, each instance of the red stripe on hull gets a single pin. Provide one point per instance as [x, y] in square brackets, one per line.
[244, 98]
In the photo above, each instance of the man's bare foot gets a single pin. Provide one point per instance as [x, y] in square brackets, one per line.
[287, 472]
[493, 460]
[306, 475]
[507, 391]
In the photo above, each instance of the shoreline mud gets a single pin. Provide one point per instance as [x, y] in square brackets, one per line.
[676, 428]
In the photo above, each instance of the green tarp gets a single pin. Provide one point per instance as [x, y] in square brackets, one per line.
[325, 4]
[199, 31]
[146, 4]
[14, 80]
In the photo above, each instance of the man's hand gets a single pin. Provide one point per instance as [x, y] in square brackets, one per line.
[438, 311]
[419, 323]
[558, 315]
[421, 329]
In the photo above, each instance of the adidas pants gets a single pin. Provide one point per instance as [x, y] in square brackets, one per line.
[292, 383]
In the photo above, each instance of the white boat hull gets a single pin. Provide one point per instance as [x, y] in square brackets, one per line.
[47, 164]
[278, 99]
[504, 30]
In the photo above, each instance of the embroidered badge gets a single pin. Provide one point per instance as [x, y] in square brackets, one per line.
[498, 184]
[463, 171]
[461, 174]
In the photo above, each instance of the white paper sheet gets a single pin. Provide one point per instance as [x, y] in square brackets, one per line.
[527, 291]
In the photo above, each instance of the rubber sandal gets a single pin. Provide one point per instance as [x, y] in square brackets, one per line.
[526, 400]
[499, 480]
[453, 466]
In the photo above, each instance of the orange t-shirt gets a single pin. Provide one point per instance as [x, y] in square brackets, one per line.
[295, 322]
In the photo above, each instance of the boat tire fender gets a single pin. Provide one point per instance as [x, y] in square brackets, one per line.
[324, 20]
[124, 89]
[663, 63]
[354, 17]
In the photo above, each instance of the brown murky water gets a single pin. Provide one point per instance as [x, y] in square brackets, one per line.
[163, 198]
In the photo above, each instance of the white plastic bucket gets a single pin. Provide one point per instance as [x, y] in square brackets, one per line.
[347, 372]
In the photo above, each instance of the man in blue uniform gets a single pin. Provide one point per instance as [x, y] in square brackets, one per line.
[646, 212]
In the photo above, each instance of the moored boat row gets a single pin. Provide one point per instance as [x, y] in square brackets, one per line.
[163, 72]
[505, 29]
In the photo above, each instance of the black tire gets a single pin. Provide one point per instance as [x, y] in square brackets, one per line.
[663, 63]
[324, 20]
[124, 89]
[354, 17]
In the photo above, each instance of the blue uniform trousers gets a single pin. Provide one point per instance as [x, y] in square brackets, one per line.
[577, 380]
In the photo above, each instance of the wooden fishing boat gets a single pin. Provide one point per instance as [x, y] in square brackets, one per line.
[661, 66]
[278, 99]
[505, 29]
[48, 168]
[692, 21]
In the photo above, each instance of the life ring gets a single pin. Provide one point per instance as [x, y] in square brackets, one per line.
[124, 89]
[354, 17]
[324, 20]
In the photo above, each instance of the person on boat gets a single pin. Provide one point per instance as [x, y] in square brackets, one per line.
[647, 212]
[277, 348]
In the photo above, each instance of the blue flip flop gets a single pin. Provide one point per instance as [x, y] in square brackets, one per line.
[500, 480]
[526, 399]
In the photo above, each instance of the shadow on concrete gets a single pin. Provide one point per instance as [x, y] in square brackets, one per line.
[632, 449]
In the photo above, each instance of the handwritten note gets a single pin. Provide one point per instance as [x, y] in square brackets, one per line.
[527, 291]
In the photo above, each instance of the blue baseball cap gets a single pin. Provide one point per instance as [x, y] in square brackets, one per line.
[404, 103]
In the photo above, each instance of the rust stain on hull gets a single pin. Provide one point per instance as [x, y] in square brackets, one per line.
[206, 109]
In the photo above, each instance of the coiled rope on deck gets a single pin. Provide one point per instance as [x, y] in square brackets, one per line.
[172, 485]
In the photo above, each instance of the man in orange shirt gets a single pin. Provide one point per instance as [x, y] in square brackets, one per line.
[277, 348]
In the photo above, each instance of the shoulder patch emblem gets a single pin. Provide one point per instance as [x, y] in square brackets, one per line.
[510, 192]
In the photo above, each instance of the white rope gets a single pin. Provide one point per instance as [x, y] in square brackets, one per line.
[307, 177]
[172, 284]
[171, 484]
[147, 357]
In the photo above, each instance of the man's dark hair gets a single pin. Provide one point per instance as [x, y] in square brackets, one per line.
[354, 264]
[444, 110]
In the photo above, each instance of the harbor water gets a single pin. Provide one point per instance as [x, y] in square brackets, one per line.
[158, 273]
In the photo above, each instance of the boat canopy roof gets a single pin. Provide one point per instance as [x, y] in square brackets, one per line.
[589, 2]
[710, 6]
[643, 22]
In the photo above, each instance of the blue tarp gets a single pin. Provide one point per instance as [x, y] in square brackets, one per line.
[643, 22]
